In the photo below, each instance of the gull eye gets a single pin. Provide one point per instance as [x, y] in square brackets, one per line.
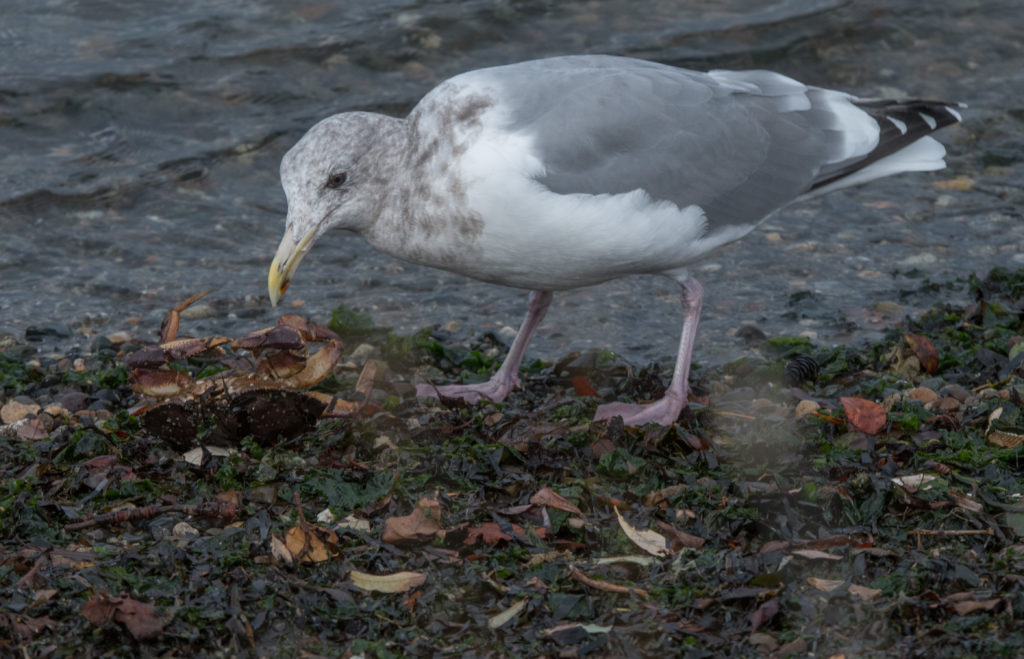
[337, 180]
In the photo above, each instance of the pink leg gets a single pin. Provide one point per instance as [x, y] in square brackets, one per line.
[507, 377]
[665, 411]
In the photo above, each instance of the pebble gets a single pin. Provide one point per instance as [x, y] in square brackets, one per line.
[184, 530]
[956, 391]
[923, 394]
[117, 338]
[198, 311]
[361, 353]
[805, 407]
[108, 395]
[15, 410]
[74, 401]
[101, 343]
[926, 258]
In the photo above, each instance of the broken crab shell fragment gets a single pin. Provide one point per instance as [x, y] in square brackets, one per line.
[147, 357]
[307, 329]
[278, 337]
[185, 348]
[169, 326]
[254, 388]
[318, 366]
[280, 365]
[161, 384]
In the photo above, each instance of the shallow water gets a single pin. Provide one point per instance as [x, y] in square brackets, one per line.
[139, 153]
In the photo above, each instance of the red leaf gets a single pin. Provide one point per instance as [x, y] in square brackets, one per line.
[864, 415]
[925, 351]
[489, 532]
[581, 385]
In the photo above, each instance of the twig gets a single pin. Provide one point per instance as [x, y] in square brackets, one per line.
[948, 533]
[222, 509]
[953, 532]
[578, 575]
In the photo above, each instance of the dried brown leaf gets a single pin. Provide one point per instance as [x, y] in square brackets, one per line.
[864, 415]
[548, 497]
[680, 539]
[651, 542]
[865, 593]
[489, 532]
[398, 582]
[814, 555]
[419, 526]
[581, 385]
[925, 351]
[139, 618]
[305, 544]
[970, 606]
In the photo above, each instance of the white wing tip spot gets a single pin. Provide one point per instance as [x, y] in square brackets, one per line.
[928, 119]
[901, 126]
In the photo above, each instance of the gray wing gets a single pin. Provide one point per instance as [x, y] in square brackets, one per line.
[738, 144]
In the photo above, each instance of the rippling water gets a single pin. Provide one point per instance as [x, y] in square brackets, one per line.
[139, 150]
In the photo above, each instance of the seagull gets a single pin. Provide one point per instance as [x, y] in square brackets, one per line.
[564, 172]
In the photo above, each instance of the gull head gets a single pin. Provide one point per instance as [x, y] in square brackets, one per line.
[335, 176]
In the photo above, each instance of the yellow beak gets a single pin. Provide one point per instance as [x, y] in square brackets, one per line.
[289, 255]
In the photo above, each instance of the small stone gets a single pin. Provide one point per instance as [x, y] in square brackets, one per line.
[805, 407]
[74, 401]
[14, 411]
[108, 395]
[184, 530]
[101, 343]
[450, 326]
[773, 236]
[198, 312]
[926, 258]
[361, 353]
[923, 394]
[118, 338]
[948, 404]
[956, 391]
[57, 411]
